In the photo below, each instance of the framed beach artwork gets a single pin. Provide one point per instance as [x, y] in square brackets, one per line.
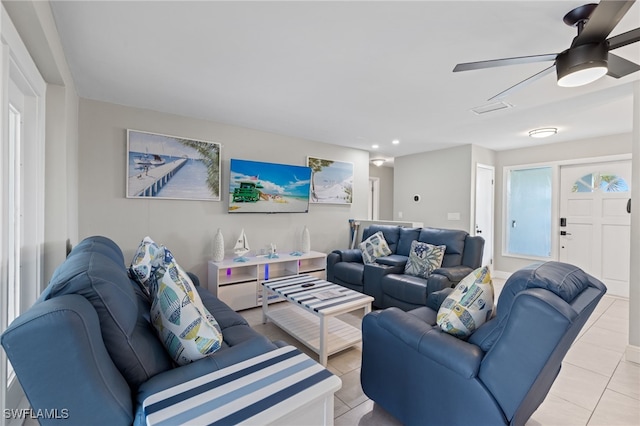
[171, 167]
[331, 181]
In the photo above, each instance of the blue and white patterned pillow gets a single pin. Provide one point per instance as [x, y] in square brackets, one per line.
[185, 326]
[148, 257]
[423, 259]
[469, 305]
[374, 247]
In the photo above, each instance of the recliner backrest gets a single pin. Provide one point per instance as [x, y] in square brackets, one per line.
[453, 239]
[407, 236]
[539, 314]
[391, 234]
[95, 270]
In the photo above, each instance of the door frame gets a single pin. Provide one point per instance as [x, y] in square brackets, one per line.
[373, 209]
[491, 235]
[17, 65]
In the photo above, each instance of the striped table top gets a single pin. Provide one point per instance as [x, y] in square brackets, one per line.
[256, 391]
[291, 288]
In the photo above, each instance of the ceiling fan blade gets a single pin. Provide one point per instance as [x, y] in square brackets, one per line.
[523, 83]
[602, 21]
[624, 39]
[504, 62]
[619, 67]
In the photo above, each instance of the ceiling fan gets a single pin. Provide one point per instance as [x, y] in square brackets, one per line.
[588, 58]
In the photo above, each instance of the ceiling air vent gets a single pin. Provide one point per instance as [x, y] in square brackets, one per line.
[496, 106]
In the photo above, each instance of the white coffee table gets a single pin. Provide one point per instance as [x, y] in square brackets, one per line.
[311, 320]
[280, 387]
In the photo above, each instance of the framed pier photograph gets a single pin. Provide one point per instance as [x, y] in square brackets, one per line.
[171, 167]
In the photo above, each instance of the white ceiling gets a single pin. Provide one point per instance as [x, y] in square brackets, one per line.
[348, 73]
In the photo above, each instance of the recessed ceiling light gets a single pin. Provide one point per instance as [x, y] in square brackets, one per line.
[395, 141]
[543, 133]
[375, 146]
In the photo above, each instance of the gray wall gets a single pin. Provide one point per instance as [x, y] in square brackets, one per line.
[385, 174]
[188, 227]
[567, 151]
[442, 179]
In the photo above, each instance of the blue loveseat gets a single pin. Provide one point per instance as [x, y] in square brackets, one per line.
[385, 279]
[500, 374]
[87, 346]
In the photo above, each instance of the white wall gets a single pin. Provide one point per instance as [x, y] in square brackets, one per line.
[567, 151]
[188, 227]
[442, 179]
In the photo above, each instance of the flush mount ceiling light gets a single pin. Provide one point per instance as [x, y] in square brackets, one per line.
[543, 133]
[582, 64]
[378, 161]
[395, 141]
[375, 146]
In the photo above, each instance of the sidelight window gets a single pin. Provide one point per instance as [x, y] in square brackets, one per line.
[529, 209]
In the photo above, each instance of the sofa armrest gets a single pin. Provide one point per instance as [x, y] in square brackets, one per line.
[349, 255]
[337, 256]
[448, 351]
[435, 299]
[58, 344]
[373, 274]
[455, 274]
[396, 260]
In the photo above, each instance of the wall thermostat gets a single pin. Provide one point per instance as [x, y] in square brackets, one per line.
[416, 198]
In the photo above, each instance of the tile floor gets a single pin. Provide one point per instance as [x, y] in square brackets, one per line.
[596, 386]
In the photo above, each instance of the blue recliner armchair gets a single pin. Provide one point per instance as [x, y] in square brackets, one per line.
[501, 374]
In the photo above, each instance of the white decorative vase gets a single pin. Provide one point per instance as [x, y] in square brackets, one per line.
[306, 240]
[218, 247]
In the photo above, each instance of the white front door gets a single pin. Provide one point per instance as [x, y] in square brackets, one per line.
[595, 224]
[484, 210]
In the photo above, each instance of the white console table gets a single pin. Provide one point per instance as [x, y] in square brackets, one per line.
[238, 284]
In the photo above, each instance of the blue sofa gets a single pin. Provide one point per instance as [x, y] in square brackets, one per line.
[501, 374]
[385, 280]
[87, 346]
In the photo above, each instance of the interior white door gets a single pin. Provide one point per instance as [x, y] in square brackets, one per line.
[484, 210]
[595, 223]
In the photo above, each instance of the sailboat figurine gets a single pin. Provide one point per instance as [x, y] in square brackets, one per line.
[241, 248]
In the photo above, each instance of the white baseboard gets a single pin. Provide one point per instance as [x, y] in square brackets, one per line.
[632, 354]
[501, 274]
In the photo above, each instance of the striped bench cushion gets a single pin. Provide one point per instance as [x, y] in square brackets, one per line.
[238, 393]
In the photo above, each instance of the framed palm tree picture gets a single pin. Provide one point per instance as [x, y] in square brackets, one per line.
[331, 181]
[171, 167]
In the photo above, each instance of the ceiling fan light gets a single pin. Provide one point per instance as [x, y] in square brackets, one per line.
[378, 161]
[582, 64]
[543, 133]
[582, 77]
